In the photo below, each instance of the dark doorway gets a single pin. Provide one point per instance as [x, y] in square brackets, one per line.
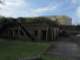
[43, 35]
[21, 33]
[36, 33]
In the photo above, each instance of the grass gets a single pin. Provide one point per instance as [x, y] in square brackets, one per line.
[10, 50]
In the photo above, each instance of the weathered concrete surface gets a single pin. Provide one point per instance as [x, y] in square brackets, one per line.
[64, 50]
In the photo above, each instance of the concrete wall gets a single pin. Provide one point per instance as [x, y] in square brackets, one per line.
[33, 32]
[63, 20]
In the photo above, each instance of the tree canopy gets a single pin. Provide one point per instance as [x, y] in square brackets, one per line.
[12, 21]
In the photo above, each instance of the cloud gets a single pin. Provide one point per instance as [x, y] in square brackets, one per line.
[13, 7]
[78, 11]
[78, 8]
[16, 8]
[74, 1]
[41, 10]
[44, 9]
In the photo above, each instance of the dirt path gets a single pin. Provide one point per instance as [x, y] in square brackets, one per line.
[66, 50]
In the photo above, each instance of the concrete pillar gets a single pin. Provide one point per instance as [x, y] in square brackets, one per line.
[51, 31]
[35, 34]
[46, 35]
[49, 34]
[8, 34]
[25, 37]
[39, 35]
[54, 34]
[19, 28]
[13, 34]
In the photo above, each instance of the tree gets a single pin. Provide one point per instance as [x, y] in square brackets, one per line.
[44, 20]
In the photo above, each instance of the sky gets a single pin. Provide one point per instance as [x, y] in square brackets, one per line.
[32, 8]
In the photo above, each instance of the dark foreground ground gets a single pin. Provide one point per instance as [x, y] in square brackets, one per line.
[65, 48]
[20, 50]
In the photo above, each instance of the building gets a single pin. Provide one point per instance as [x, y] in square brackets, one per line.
[35, 31]
[62, 20]
[30, 32]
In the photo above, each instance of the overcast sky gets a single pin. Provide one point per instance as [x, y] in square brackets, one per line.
[17, 8]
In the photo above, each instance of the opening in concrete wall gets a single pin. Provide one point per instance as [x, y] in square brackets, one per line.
[36, 33]
[43, 35]
[21, 32]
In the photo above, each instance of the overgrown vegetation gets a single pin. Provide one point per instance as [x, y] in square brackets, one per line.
[12, 50]
[10, 20]
[8, 25]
